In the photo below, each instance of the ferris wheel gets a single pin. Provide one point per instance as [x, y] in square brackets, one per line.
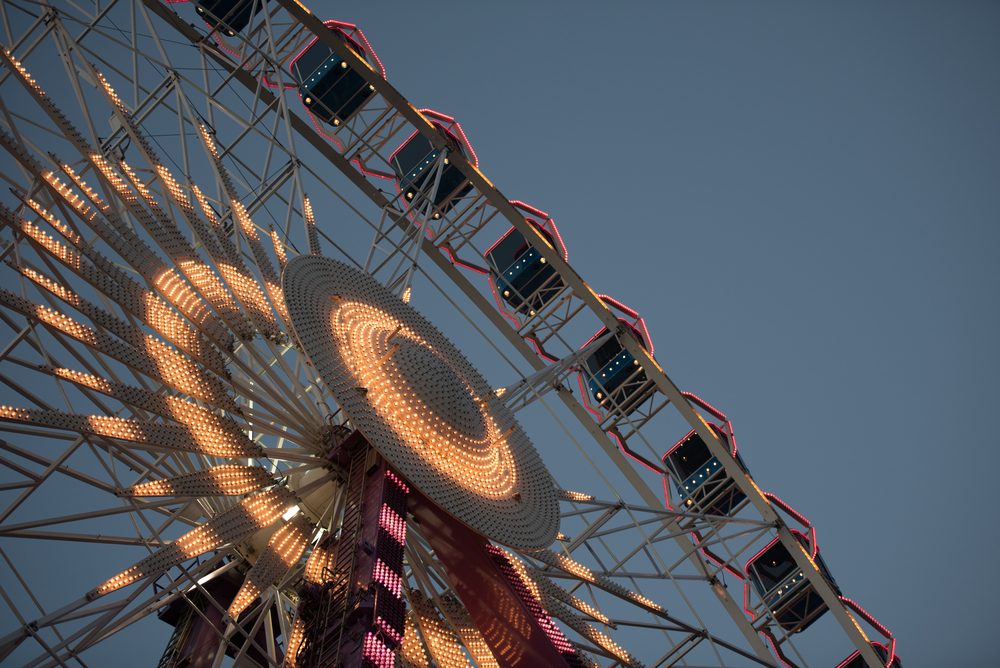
[234, 420]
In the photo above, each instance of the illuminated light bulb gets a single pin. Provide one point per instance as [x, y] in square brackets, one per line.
[377, 653]
[236, 524]
[223, 480]
[385, 576]
[353, 323]
[295, 640]
[439, 638]
[576, 496]
[343, 64]
[393, 524]
[377, 348]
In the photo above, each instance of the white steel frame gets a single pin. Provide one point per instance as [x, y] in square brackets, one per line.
[613, 536]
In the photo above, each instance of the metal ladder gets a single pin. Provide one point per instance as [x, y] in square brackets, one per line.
[337, 599]
[172, 654]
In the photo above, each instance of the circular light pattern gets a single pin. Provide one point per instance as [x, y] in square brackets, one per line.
[420, 403]
[418, 394]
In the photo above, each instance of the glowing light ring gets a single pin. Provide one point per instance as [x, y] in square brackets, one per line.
[421, 403]
[466, 445]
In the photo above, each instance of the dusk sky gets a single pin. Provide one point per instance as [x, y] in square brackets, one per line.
[802, 201]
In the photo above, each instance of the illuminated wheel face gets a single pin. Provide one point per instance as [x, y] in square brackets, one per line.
[421, 403]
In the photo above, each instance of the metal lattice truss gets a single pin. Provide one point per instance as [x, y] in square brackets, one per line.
[158, 417]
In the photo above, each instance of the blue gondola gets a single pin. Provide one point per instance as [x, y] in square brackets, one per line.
[227, 16]
[414, 161]
[521, 276]
[614, 377]
[329, 87]
[784, 589]
[699, 477]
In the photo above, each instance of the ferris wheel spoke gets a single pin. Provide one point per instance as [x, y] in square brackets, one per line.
[443, 621]
[23, 529]
[227, 261]
[120, 328]
[115, 615]
[68, 537]
[155, 222]
[262, 622]
[140, 352]
[15, 611]
[277, 400]
[59, 465]
[441, 641]
[139, 302]
[278, 369]
[465, 628]
[143, 433]
[239, 522]
[106, 276]
[55, 465]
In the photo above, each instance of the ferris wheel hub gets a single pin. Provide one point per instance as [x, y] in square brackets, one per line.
[420, 403]
[437, 387]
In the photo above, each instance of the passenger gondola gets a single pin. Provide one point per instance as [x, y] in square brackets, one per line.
[521, 276]
[330, 88]
[415, 165]
[614, 377]
[227, 16]
[700, 479]
[784, 588]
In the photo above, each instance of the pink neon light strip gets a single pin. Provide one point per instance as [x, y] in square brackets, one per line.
[875, 624]
[396, 479]
[376, 652]
[387, 577]
[393, 524]
[785, 661]
[890, 654]
[637, 323]
[798, 517]
[385, 627]
[635, 456]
